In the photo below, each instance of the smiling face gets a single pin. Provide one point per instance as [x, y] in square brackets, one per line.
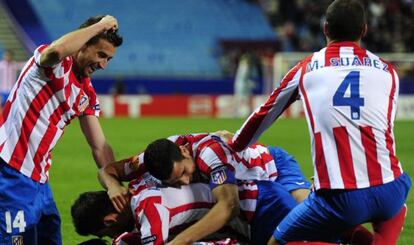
[93, 57]
[183, 170]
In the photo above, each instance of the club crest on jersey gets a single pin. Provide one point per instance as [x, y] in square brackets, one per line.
[219, 176]
[83, 103]
[17, 240]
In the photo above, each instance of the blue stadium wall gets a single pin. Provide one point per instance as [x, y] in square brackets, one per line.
[170, 47]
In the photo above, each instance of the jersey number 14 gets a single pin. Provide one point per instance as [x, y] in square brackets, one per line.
[354, 101]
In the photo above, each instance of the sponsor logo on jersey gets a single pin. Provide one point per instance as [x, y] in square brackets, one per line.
[148, 239]
[219, 176]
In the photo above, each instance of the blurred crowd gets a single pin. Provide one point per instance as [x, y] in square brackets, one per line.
[298, 24]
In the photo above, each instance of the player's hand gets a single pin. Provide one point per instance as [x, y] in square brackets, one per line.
[118, 196]
[109, 22]
[224, 135]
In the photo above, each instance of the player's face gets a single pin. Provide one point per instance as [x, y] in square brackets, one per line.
[94, 57]
[182, 173]
[116, 224]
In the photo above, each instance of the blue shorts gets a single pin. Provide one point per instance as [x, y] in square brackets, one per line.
[326, 214]
[288, 170]
[28, 213]
[274, 202]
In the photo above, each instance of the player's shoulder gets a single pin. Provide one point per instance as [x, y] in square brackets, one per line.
[144, 195]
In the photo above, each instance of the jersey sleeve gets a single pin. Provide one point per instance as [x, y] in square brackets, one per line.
[214, 161]
[267, 113]
[57, 70]
[134, 167]
[38, 53]
[94, 107]
[152, 220]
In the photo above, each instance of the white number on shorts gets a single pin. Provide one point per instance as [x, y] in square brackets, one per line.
[18, 221]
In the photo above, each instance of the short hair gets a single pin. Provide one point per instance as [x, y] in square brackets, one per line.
[159, 158]
[111, 36]
[345, 20]
[89, 210]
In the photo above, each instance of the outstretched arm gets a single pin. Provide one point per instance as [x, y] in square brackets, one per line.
[101, 150]
[263, 117]
[111, 176]
[223, 211]
[73, 41]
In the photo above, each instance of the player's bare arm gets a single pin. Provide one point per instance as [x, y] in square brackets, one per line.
[226, 208]
[101, 150]
[111, 176]
[74, 41]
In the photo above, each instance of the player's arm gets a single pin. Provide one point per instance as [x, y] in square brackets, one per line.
[101, 150]
[123, 170]
[223, 211]
[111, 176]
[267, 113]
[71, 42]
[225, 135]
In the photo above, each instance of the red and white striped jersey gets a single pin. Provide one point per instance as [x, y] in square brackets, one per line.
[42, 102]
[210, 152]
[350, 99]
[161, 211]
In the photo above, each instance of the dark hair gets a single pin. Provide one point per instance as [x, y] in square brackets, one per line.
[345, 20]
[111, 36]
[89, 210]
[159, 158]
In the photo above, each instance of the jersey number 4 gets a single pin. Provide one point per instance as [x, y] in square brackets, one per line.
[354, 101]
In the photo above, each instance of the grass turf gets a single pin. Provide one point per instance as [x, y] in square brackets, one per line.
[74, 171]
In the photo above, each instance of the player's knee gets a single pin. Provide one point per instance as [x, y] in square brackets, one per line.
[300, 194]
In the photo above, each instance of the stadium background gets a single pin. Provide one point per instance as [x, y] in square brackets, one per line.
[175, 72]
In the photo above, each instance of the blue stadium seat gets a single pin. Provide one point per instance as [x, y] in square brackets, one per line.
[163, 37]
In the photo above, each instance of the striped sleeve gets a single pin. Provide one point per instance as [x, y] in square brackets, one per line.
[212, 155]
[38, 53]
[267, 113]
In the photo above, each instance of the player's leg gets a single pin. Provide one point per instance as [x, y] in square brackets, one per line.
[312, 220]
[388, 232]
[274, 202]
[49, 226]
[357, 235]
[289, 174]
[326, 214]
[18, 207]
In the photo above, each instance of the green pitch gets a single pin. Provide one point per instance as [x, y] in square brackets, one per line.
[74, 171]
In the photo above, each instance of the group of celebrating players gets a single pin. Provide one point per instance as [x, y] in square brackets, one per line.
[213, 188]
